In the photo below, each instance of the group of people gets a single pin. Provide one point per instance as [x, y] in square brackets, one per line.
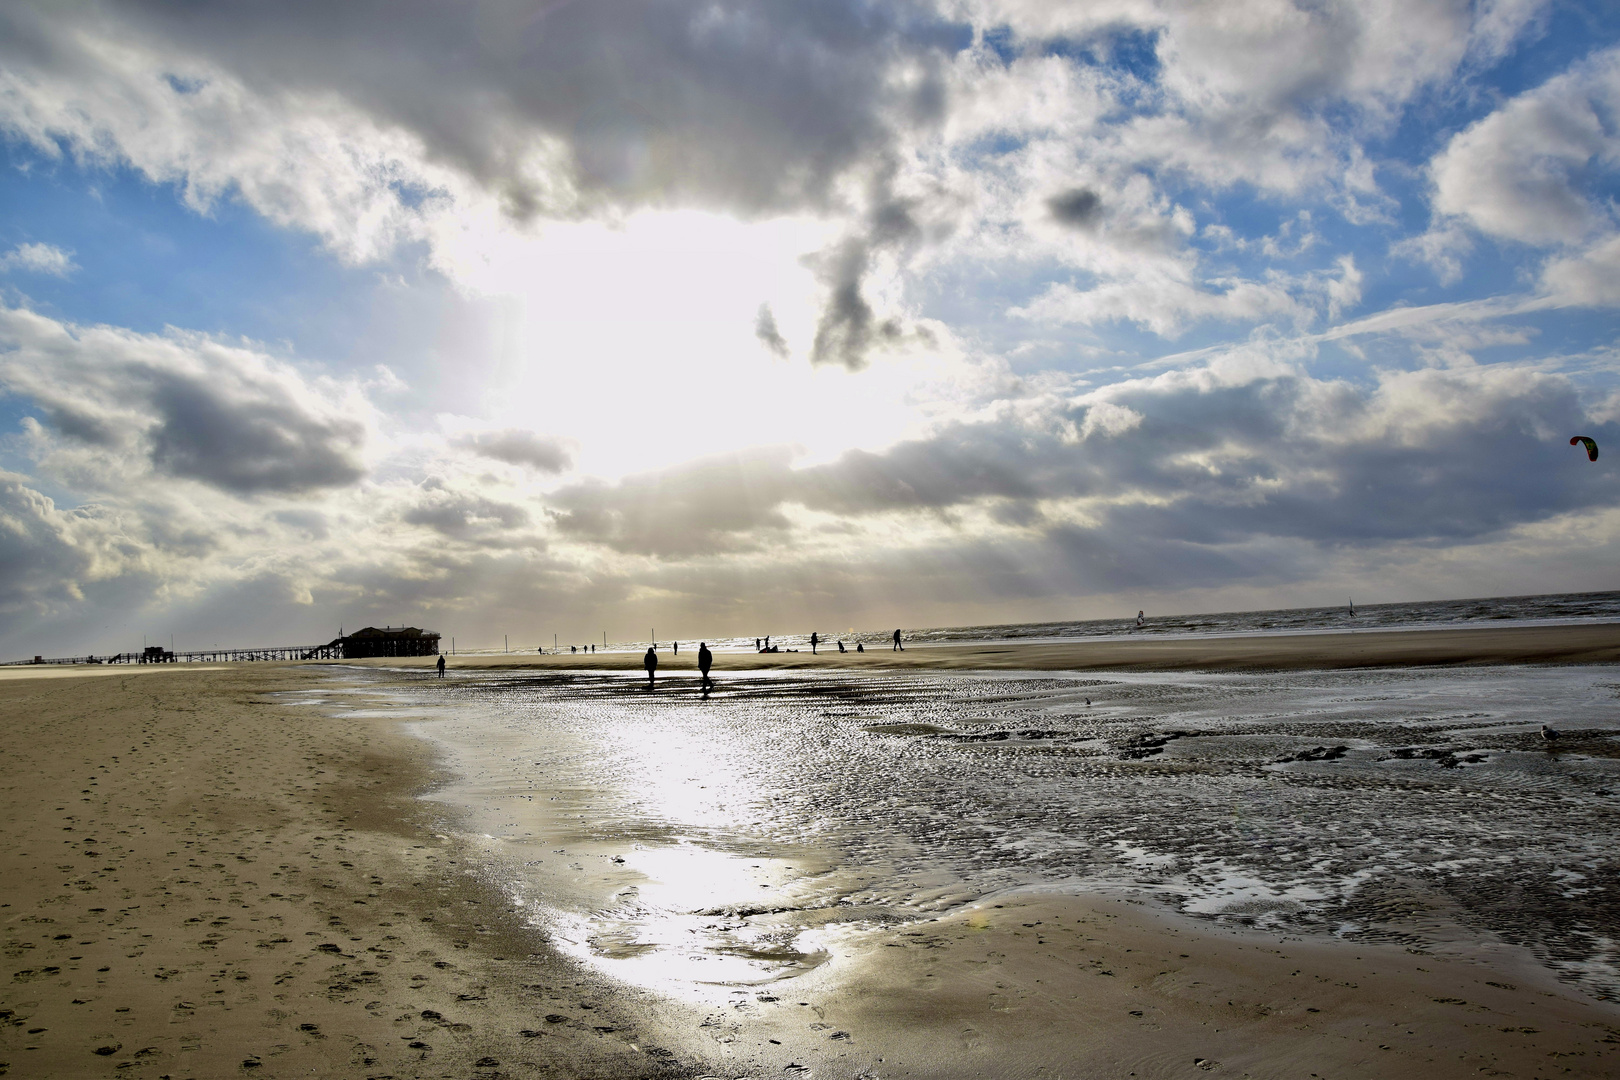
[706, 658]
[705, 661]
[816, 641]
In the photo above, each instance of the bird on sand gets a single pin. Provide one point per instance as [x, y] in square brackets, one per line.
[1548, 734]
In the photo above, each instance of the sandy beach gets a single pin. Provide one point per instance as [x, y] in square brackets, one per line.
[206, 877]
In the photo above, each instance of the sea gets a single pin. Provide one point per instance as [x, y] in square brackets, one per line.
[1543, 610]
[699, 841]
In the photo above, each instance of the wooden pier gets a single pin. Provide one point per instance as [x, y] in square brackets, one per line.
[387, 641]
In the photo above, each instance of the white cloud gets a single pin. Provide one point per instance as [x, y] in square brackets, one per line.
[121, 406]
[1165, 303]
[306, 160]
[39, 259]
[1528, 171]
[1589, 278]
[48, 555]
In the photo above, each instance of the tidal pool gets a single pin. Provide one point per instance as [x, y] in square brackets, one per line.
[698, 843]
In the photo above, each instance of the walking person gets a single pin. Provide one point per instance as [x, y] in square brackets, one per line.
[650, 662]
[441, 665]
[705, 661]
[813, 642]
[897, 644]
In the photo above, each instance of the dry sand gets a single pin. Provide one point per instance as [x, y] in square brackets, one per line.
[206, 880]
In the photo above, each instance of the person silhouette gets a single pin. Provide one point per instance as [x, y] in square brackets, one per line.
[650, 662]
[705, 661]
[841, 646]
[897, 644]
[859, 647]
[1140, 618]
[813, 641]
[441, 665]
[675, 646]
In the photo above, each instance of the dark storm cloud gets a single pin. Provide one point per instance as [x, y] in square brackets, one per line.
[515, 446]
[751, 105]
[1080, 207]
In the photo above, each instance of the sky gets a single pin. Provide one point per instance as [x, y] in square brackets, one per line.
[527, 318]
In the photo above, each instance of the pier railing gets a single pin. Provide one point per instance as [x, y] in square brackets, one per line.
[330, 651]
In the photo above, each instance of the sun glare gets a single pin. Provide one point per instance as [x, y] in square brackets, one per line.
[649, 329]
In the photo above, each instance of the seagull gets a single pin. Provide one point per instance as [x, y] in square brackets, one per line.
[1548, 734]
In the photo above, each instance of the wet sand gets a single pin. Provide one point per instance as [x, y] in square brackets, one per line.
[1582, 644]
[205, 878]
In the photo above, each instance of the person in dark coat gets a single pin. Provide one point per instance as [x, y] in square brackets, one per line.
[813, 642]
[441, 665]
[650, 662]
[897, 644]
[705, 661]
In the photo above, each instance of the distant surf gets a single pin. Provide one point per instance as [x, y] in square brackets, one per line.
[1550, 609]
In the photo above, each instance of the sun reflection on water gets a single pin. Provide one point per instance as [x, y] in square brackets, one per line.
[691, 923]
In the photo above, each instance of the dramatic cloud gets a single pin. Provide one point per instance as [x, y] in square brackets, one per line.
[183, 406]
[46, 555]
[727, 310]
[754, 105]
[1223, 454]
